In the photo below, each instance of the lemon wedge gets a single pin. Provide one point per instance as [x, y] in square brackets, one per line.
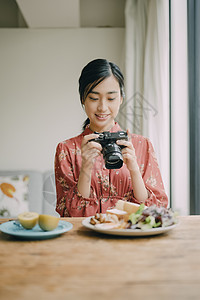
[47, 222]
[28, 219]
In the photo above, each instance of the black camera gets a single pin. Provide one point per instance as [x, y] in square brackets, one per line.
[111, 151]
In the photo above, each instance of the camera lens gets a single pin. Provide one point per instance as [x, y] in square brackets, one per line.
[112, 156]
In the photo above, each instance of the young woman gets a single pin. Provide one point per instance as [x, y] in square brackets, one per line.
[84, 186]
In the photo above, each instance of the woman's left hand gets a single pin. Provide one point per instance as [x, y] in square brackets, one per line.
[128, 153]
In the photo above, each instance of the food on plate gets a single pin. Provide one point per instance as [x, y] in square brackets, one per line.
[127, 206]
[120, 204]
[109, 221]
[130, 207]
[120, 214]
[101, 218]
[153, 217]
[47, 222]
[28, 219]
[106, 226]
[134, 216]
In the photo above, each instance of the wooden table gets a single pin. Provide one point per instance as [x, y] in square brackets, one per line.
[82, 264]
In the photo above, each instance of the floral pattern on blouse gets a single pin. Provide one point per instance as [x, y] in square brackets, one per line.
[107, 186]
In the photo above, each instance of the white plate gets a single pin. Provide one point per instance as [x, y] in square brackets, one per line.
[15, 229]
[128, 232]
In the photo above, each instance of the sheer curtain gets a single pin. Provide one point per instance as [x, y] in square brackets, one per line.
[146, 109]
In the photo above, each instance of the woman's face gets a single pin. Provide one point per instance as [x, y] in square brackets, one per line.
[102, 104]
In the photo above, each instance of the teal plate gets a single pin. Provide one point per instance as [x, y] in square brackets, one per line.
[15, 229]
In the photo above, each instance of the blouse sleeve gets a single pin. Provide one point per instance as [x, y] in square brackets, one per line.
[152, 179]
[69, 201]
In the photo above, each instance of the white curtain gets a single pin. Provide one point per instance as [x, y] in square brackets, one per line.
[146, 109]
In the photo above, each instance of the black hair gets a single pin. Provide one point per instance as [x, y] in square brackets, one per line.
[94, 73]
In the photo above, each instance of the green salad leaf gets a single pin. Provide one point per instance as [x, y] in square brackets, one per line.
[148, 223]
[152, 217]
[141, 208]
[134, 217]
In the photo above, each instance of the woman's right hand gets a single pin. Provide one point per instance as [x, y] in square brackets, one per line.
[89, 151]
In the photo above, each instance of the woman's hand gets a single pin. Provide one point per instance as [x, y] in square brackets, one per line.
[128, 154]
[140, 192]
[89, 151]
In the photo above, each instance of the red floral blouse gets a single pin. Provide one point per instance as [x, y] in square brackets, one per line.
[107, 186]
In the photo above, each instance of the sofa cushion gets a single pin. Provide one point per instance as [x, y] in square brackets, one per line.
[13, 195]
[35, 187]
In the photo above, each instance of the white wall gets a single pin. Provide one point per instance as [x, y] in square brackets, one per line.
[39, 101]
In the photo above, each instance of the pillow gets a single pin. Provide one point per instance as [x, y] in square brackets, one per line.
[13, 195]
